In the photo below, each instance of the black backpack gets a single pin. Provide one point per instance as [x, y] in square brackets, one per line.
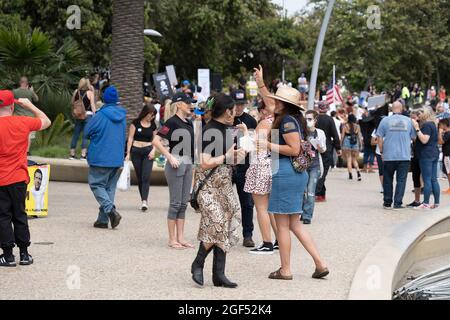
[353, 137]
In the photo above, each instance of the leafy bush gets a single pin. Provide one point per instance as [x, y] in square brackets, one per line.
[54, 104]
[59, 128]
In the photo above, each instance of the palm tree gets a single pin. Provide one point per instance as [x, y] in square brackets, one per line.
[127, 66]
[52, 71]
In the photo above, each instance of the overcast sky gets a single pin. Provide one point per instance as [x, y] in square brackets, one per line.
[292, 5]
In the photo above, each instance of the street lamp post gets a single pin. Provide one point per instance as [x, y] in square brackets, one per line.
[315, 69]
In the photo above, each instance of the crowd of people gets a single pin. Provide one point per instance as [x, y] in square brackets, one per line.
[277, 155]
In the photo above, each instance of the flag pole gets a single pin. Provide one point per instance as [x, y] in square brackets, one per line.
[318, 52]
[334, 85]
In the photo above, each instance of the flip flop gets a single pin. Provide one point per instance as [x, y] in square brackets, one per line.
[176, 246]
[187, 245]
[278, 276]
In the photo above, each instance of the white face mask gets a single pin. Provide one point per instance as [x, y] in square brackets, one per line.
[310, 124]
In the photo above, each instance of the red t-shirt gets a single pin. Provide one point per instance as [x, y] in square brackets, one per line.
[14, 132]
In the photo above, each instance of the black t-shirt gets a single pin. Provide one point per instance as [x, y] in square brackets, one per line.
[217, 138]
[327, 125]
[251, 124]
[180, 135]
[249, 121]
[446, 145]
[366, 131]
[143, 134]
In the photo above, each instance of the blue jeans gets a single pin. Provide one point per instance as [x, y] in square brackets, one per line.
[389, 169]
[428, 167]
[245, 200]
[103, 182]
[369, 156]
[310, 195]
[79, 130]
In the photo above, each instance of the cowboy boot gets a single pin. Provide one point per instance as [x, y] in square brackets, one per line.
[199, 262]
[219, 278]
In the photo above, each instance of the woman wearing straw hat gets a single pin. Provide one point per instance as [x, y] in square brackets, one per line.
[288, 186]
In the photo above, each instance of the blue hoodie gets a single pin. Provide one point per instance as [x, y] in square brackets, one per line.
[107, 131]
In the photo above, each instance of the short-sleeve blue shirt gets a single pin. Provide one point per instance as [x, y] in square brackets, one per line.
[397, 132]
[287, 125]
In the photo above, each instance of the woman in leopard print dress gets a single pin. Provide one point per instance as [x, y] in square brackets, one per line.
[219, 208]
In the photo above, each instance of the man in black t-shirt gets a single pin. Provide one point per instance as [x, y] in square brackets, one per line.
[326, 123]
[245, 198]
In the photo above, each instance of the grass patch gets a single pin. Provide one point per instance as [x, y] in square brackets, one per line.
[59, 149]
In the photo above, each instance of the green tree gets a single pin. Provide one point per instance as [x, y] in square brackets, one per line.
[94, 37]
[33, 54]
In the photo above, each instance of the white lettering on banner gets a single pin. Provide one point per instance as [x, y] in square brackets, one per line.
[74, 20]
[217, 140]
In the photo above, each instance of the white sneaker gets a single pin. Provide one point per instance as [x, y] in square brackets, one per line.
[144, 207]
[423, 206]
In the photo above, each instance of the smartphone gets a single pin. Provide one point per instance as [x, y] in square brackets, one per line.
[234, 134]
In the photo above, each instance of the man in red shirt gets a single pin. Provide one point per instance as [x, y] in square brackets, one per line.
[14, 132]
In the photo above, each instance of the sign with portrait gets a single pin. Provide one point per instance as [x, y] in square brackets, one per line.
[36, 203]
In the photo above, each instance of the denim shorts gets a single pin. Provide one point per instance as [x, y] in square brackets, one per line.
[348, 146]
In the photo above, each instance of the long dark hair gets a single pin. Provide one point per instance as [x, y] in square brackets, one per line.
[352, 122]
[146, 110]
[294, 111]
[219, 104]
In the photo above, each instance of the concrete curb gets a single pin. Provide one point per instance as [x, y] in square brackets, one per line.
[421, 238]
[77, 171]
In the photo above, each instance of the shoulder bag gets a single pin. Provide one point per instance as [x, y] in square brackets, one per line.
[194, 194]
[303, 161]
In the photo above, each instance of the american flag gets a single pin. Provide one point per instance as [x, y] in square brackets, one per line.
[334, 95]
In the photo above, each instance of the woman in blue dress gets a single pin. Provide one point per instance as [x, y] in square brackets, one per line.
[288, 186]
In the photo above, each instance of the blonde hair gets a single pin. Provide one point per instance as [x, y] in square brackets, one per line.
[169, 109]
[427, 114]
[84, 84]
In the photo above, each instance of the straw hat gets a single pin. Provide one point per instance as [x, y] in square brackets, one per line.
[289, 95]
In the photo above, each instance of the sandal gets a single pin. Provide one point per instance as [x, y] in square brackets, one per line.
[319, 274]
[176, 246]
[278, 276]
[187, 245]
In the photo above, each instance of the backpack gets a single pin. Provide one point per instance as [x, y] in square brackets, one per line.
[303, 161]
[353, 137]
[78, 109]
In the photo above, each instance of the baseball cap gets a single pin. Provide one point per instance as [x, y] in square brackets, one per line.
[323, 106]
[186, 83]
[199, 112]
[239, 96]
[183, 97]
[6, 98]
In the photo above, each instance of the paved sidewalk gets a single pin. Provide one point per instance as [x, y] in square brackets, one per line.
[134, 261]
